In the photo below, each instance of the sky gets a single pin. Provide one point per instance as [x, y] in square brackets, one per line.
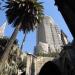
[30, 42]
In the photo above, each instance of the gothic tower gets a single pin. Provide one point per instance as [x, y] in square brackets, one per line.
[48, 37]
[2, 29]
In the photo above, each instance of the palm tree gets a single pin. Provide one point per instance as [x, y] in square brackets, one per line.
[23, 41]
[3, 42]
[23, 15]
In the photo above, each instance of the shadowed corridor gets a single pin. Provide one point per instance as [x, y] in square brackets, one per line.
[50, 68]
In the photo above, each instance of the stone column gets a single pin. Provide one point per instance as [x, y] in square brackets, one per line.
[29, 63]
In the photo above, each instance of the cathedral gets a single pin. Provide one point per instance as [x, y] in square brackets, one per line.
[50, 40]
[51, 47]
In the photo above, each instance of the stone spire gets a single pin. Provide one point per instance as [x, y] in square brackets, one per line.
[2, 29]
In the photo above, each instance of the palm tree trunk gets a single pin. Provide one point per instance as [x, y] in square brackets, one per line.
[10, 43]
[23, 41]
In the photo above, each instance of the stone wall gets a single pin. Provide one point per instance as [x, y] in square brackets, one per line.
[39, 63]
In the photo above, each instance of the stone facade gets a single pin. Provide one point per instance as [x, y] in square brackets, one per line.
[48, 49]
[39, 62]
[48, 37]
[15, 64]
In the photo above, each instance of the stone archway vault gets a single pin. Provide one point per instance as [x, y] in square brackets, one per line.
[39, 63]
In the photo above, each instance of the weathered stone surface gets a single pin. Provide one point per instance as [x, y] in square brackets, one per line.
[15, 62]
[27, 64]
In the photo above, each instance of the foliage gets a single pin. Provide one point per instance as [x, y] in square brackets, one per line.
[22, 65]
[12, 66]
[54, 54]
[24, 12]
[4, 40]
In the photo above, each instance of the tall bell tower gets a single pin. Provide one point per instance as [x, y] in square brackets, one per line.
[48, 37]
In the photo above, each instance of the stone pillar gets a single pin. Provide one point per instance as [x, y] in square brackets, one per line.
[35, 66]
[29, 63]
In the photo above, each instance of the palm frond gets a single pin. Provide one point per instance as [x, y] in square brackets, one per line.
[26, 12]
